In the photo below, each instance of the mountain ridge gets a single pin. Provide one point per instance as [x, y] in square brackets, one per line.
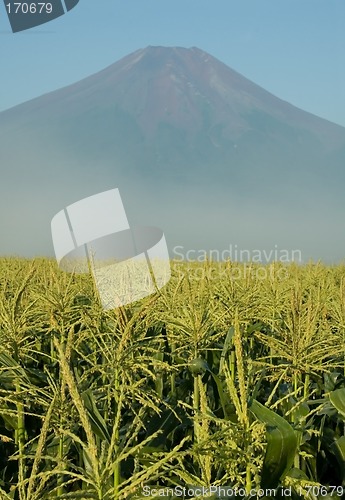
[170, 123]
[281, 106]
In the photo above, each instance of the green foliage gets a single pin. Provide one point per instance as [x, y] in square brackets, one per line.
[281, 446]
[224, 377]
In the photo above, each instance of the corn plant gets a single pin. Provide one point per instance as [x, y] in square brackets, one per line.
[223, 377]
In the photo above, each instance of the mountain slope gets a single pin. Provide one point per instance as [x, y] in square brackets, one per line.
[163, 121]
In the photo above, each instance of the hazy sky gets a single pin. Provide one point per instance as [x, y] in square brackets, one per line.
[293, 48]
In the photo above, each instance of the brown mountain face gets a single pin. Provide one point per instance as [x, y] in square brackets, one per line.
[166, 119]
[191, 90]
[174, 108]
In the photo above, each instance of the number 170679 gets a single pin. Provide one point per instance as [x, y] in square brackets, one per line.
[29, 8]
[324, 491]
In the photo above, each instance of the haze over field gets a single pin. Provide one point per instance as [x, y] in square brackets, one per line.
[194, 147]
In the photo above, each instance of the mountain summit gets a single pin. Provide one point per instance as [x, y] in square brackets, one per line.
[166, 120]
[175, 108]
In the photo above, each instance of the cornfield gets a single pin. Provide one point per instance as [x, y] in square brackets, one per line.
[225, 377]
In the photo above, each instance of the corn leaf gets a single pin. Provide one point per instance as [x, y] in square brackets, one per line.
[281, 445]
[337, 398]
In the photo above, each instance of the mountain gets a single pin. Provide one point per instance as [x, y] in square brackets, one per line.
[194, 147]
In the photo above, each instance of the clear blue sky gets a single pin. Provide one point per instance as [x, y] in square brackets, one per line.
[293, 48]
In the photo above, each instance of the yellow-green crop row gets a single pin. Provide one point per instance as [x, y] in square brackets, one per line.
[232, 375]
